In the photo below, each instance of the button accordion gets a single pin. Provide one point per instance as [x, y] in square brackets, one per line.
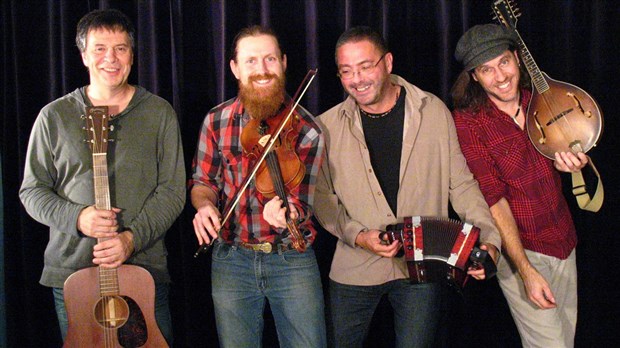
[439, 249]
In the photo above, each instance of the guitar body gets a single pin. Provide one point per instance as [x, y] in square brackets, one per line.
[564, 118]
[123, 320]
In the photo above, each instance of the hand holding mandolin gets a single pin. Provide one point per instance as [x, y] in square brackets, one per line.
[570, 163]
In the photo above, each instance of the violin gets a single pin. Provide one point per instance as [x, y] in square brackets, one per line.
[285, 169]
[282, 169]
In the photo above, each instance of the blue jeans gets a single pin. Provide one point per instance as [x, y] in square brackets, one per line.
[243, 279]
[416, 311]
[162, 311]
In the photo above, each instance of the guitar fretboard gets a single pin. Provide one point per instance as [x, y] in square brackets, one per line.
[108, 278]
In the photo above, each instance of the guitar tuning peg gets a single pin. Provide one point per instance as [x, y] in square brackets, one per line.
[110, 140]
[112, 128]
[82, 117]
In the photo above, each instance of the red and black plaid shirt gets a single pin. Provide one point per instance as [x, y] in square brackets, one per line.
[219, 164]
[506, 164]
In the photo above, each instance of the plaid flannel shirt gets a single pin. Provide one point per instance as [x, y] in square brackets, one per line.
[506, 164]
[219, 163]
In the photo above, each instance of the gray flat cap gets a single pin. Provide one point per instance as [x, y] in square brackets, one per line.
[482, 43]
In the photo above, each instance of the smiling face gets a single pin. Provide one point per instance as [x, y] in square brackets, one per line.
[371, 72]
[108, 57]
[259, 67]
[499, 77]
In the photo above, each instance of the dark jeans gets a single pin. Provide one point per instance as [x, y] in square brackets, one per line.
[162, 311]
[416, 312]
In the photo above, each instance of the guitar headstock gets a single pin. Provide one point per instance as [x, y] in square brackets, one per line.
[506, 13]
[97, 128]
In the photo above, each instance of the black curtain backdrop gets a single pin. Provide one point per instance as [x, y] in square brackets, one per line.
[182, 55]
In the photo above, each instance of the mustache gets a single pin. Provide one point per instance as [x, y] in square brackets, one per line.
[264, 76]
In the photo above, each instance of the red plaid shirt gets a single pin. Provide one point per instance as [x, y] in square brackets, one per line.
[506, 164]
[220, 165]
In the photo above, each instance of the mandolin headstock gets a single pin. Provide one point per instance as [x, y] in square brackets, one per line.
[506, 13]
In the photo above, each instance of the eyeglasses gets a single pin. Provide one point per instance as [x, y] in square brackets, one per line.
[365, 70]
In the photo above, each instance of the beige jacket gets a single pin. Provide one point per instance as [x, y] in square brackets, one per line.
[433, 171]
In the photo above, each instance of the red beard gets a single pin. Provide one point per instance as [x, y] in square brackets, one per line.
[262, 102]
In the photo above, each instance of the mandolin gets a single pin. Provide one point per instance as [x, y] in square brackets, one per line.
[109, 307]
[561, 117]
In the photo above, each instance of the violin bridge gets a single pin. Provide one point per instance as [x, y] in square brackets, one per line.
[264, 140]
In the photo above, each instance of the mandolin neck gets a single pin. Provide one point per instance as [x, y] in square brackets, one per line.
[538, 79]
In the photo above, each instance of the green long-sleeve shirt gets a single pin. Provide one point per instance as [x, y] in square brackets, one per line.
[146, 178]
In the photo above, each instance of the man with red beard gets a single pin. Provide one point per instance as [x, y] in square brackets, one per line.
[253, 257]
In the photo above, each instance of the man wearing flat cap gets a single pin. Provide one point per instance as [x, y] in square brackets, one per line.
[538, 276]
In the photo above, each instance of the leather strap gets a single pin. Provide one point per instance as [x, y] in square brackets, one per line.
[583, 197]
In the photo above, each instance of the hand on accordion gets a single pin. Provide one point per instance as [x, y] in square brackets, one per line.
[370, 240]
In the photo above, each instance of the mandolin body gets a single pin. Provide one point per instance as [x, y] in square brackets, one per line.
[564, 118]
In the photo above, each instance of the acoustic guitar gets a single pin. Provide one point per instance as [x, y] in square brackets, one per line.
[109, 307]
[561, 117]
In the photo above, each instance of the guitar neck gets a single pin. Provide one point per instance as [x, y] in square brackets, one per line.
[100, 176]
[108, 278]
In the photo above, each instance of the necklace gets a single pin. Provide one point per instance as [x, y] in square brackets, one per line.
[514, 118]
[383, 114]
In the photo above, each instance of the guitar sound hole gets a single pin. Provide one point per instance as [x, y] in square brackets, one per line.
[111, 312]
[124, 314]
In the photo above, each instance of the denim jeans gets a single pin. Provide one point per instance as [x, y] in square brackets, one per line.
[242, 280]
[162, 311]
[416, 311]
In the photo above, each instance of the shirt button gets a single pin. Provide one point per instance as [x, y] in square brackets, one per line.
[379, 193]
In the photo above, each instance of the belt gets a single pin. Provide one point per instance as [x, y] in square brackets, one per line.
[266, 247]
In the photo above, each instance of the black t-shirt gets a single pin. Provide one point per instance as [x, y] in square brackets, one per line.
[384, 138]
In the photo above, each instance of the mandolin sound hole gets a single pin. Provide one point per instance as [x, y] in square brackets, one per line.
[111, 312]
